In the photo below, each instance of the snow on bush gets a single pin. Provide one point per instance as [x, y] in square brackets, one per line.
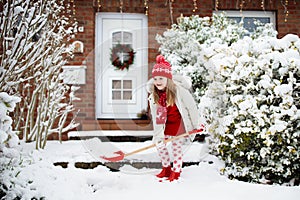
[248, 88]
[183, 44]
[258, 130]
[11, 160]
[7, 136]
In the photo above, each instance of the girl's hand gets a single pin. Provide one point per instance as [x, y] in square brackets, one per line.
[160, 144]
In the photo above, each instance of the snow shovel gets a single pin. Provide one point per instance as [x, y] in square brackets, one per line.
[121, 155]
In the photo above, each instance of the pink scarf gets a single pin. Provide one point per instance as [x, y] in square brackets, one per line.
[161, 112]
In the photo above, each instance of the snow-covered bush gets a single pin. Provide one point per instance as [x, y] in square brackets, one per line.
[259, 129]
[10, 159]
[249, 92]
[183, 43]
[190, 44]
[8, 138]
[34, 36]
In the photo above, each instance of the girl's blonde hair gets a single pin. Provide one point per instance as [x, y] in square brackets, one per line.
[170, 93]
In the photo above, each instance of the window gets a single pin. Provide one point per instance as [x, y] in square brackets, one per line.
[124, 38]
[250, 16]
[121, 89]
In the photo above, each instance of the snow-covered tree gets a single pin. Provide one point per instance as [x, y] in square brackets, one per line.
[250, 94]
[34, 36]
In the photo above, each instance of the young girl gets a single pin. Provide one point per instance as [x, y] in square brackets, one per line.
[173, 111]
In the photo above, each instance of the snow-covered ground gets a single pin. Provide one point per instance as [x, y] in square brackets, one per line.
[201, 181]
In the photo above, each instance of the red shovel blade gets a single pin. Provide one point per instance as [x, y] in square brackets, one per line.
[120, 156]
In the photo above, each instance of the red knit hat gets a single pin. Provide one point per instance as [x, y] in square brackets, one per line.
[162, 68]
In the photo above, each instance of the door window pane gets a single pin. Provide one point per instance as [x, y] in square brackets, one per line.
[127, 95]
[116, 95]
[121, 89]
[117, 37]
[127, 37]
[127, 84]
[116, 84]
[122, 37]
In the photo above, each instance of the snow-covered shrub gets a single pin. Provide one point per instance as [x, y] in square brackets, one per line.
[183, 43]
[190, 44]
[8, 138]
[11, 160]
[259, 130]
[34, 36]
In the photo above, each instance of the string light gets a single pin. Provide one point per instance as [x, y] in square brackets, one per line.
[242, 5]
[68, 8]
[171, 9]
[216, 4]
[121, 6]
[72, 9]
[180, 19]
[286, 12]
[239, 3]
[99, 5]
[195, 6]
[262, 4]
[146, 7]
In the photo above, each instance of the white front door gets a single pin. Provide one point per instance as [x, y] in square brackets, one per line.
[121, 93]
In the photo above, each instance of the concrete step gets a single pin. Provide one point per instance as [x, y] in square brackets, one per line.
[86, 154]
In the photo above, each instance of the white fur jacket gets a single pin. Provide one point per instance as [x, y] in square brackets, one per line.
[184, 102]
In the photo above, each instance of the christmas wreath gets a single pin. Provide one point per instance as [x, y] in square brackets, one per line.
[122, 56]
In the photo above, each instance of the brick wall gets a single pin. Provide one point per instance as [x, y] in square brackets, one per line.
[158, 21]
